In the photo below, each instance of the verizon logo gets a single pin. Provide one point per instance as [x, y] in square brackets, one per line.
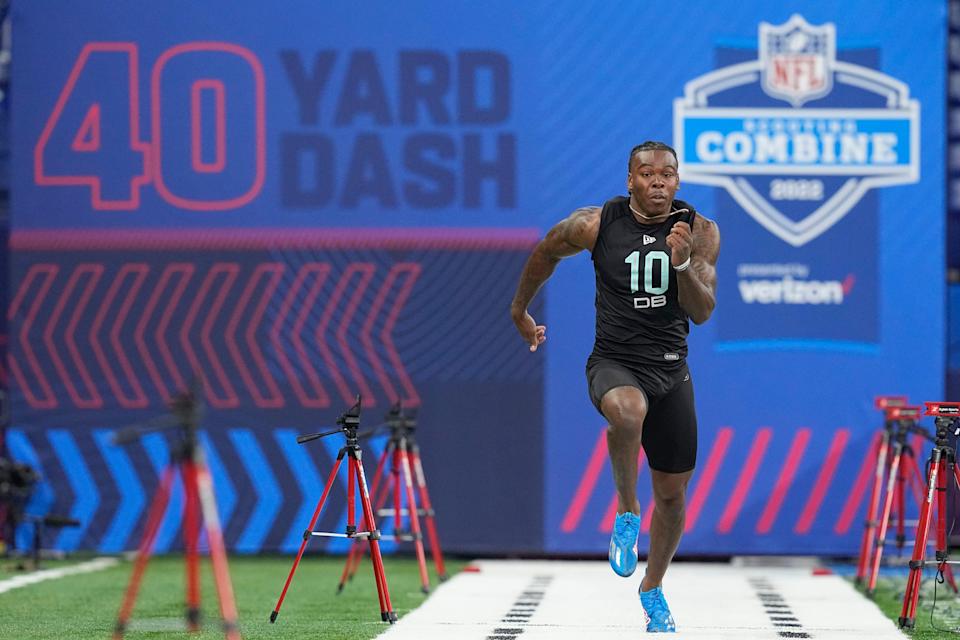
[787, 290]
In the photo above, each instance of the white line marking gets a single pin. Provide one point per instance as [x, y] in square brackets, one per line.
[586, 600]
[96, 564]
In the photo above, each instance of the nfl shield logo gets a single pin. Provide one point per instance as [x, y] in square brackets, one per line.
[797, 170]
[797, 59]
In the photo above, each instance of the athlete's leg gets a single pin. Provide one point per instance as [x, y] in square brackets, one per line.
[625, 409]
[670, 440]
[615, 392]
[666, 526]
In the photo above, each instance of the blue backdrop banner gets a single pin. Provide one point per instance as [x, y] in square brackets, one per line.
[330, 199]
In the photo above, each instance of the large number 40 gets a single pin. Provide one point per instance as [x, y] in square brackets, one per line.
[212, 159]
[655, 260]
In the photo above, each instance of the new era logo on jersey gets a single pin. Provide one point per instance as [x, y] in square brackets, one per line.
[648, 239]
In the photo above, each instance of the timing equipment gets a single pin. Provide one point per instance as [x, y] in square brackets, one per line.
[186, 454]
[349, 423]
[403, 453]
[903, 468]
[943, 463]
[883, 460]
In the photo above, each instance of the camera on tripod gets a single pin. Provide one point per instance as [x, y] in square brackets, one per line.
[17, 481]
[946, 416]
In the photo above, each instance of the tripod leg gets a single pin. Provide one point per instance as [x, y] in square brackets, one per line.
[884, 519]
[203, 485]
[389, 455]
[356, 551]
[386, 613]
[901, 537]
[919, 482]
[948, 569]
[190, 534]
[428, 509]
[414, 520]
[306, 535]
[155, 517]
[359, 550]
[912, 592]
[943, 550]
[351, 499]
[866, 545]
[355, 476]
[397, 506]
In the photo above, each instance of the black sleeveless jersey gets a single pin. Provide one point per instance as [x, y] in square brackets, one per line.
[639, 319]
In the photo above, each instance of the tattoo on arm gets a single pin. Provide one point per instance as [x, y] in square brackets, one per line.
[570, 236]
[706, 250]
[698, 291]
[573, 234]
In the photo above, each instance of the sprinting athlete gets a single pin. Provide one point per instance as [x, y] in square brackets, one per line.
[655, 261]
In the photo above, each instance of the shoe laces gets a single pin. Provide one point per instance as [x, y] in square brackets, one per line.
[655, 604]
[626, 526]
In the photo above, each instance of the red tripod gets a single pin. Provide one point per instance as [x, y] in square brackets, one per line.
[883, 461]
[188, 456]
[349, 422]
[942, 464]
[902, 468]
[403, 454]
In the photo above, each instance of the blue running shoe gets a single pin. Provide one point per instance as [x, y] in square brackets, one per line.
[623, 544]
[657, 612]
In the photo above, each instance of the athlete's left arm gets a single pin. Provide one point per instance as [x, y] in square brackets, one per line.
[697, 285]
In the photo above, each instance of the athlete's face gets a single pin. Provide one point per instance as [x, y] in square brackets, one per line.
[653, 180]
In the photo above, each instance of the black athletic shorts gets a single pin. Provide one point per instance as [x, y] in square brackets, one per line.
[670, 428]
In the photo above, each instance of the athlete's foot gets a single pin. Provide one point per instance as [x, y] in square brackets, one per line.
[623, 544]
[656, 611]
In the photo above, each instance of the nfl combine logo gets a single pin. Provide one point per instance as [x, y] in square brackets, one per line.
[797, 169]
[797, 60]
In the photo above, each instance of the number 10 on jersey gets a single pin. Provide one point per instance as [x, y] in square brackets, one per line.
[654, 261]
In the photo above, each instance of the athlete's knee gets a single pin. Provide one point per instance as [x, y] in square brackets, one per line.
[672, 505]
[625, 408]
[670, 492]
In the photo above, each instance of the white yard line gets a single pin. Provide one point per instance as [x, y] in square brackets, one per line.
[96, 564]
[584, 600]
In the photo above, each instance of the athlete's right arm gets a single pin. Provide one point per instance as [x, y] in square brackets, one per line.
[576, 233]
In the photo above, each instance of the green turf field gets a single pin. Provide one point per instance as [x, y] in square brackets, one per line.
[85, 606]
[946, 618]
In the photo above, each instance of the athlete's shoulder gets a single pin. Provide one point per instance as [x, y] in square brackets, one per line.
[576, 232]
[613, 209]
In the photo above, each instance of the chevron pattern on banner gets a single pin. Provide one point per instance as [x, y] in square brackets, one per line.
[264, 522]
[273, 513]
[284, 338]
[131, 497]
[106, 334]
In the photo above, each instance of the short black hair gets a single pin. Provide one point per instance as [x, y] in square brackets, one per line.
[650, 145]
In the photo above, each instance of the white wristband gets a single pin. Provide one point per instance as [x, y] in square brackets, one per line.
[684, 266]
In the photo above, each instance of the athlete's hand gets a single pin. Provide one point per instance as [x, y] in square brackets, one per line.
[534, 334]
[680, 241]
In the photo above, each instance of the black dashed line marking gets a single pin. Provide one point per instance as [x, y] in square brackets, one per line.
[779, 613]
[522, 609]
